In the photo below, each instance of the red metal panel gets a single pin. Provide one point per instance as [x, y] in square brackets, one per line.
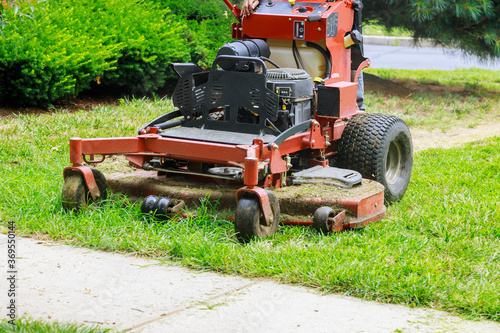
[251, 172]
[323, 163]
[137, 160]
[88, 177]
[110, 146]
[338, 128]
[208, 152]
[348, 105]
[155, 145]
[338, 221]
[263, 199]
[364, 206]
[281, 26]
[276, 163]
[75, 151]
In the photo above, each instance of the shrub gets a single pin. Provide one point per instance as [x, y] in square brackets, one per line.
[208, 36]
[196, 10]
[41, 62]
[70, 43]
[209, 23]
[150, 38]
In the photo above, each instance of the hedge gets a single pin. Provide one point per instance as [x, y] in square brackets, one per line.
[71, 43]
[209, 23]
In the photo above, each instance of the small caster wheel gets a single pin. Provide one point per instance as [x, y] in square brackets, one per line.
[162, 209]
[148, 204]
[75, 193]
[249, 220]
[323, 219]
[157, 207]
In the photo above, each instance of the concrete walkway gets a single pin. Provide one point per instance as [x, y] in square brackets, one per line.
[71, 284]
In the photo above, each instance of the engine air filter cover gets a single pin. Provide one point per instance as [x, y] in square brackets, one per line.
[290, 83]
[242, 48]
[287, 74]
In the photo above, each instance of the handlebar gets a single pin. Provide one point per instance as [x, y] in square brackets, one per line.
[234, 9]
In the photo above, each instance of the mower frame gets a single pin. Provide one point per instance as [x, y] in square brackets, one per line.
[331, 22]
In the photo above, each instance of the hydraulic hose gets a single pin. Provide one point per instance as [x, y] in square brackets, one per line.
[296, 51]
[294, 56]
[325, 55]
[270, 61]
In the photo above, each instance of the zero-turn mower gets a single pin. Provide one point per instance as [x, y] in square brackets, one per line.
[279, 119]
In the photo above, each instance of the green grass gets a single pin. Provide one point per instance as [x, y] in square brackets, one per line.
[473, 79]
[438, 248]
[440, 99]
[375, 29]
[37, 326]
[431, 111]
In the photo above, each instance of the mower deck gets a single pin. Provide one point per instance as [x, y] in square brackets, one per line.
[362, 203]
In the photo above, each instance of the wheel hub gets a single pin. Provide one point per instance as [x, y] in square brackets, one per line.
[393, 163]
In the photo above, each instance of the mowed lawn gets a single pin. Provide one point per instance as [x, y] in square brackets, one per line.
[439, 247]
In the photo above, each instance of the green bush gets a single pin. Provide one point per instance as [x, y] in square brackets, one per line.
[150, 39]
[209, 23]
[197, 10]
[208, 36]
[41, 62]
[71, 43]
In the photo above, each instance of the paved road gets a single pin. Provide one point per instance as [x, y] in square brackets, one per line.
[406, 57]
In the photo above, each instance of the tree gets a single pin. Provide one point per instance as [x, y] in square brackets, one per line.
[470, 25]
[21, 8]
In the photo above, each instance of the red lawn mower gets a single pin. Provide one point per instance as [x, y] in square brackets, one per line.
[278, 121]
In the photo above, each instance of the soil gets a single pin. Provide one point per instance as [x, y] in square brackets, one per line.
[386, 87]
[406, 88]
[96, 97]
[425, 139]
[72, 104]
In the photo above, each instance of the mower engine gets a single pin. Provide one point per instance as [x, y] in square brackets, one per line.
[294, 86]
[295, 89]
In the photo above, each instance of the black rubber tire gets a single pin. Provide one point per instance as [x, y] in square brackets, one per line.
[321, 220]
[161, 209]
[75, 193]
[249, 220]
[157, 207]
[379, 146]
[148, 204]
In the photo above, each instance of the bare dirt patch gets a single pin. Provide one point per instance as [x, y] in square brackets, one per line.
[425, 139]
[386, 87]
[406, 88]
[72, 104]
[9, 111]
